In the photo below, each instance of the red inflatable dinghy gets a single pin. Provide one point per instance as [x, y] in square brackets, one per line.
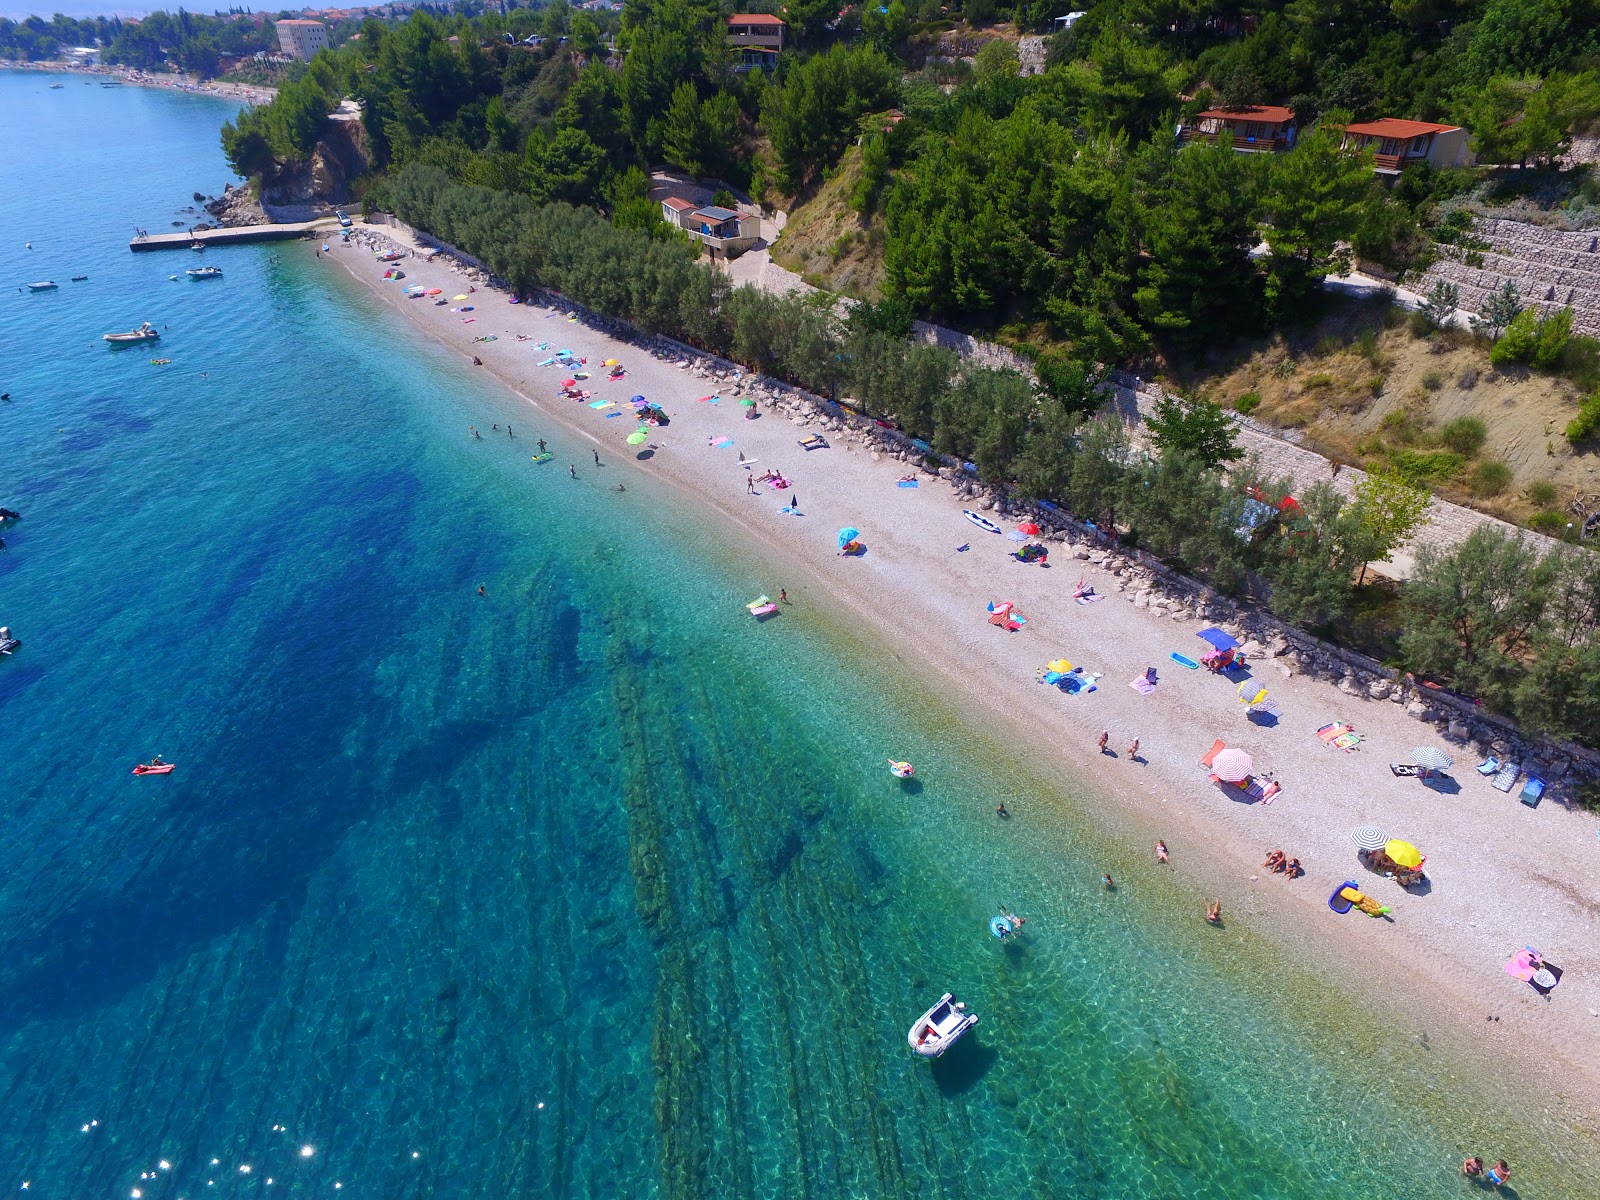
[154, 769]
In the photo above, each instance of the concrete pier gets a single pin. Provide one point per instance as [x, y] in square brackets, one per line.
[231, 236]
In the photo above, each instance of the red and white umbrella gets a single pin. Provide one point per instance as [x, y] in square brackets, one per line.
[1232, 765]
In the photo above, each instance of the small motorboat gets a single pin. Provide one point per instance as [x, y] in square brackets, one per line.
[145, 333]
[44, 285]
[54, 86]
[197, 245]
[901, 770]
[7, 642]
[154, 768]
[941, 1027]
[79, 278]
[761, 608]
[204, 272]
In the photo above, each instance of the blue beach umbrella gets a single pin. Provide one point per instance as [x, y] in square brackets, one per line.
[848, 535]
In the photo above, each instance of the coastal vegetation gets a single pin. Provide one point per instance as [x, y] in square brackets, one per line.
[190, 41]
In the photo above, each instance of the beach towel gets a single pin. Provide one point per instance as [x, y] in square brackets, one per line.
[609, 416]
[1489, 766]
[1143, 686]
[546, 362]
[1217, 747]
[1506, 779]
[602, 404]
[721, 443]
[1090, 597]
[1404, 770]
[1348, 742]
[910, 483]
[1530, 967]
[1263, 790]
[1333, 729]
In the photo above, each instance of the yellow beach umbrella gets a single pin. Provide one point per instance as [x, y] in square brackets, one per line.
[1403, 853]
[461, 297]
[1061, 665]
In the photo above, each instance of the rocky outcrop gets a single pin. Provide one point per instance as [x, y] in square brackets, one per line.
[341, 155]
[237, 206]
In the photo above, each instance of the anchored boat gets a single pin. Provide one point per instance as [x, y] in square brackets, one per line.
[145, 333]
[941, 1027]
[204, 272]
[44, 285]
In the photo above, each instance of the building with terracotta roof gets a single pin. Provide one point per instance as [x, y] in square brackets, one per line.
[302, 39]
[1255, 128]
[1398, 144]
[720, 228]
[759, 39]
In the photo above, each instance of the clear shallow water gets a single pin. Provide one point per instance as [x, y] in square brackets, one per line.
[588, 888]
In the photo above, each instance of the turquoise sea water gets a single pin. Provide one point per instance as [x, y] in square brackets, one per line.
[587, 888]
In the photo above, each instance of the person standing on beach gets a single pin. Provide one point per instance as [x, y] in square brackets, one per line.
[1105, 736]
[597, 458]
[1133, 750]
[749, 486]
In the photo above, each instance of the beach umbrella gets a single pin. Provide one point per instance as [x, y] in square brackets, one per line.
[1369, 837]
[1060, 665]
[747, 403]
[1232, 765]
[1219, 639]
[848, 535]
[435, 291]
[1016, 535]
[569, 383]
[1251, 692]
[461, 297]
[610, 362]
[1029, 528]
[1404, 854]
[1431, 757]
[639, 436]
[640, 400]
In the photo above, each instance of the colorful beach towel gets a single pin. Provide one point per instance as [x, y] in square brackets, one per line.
[1332, 730]
[602, 404]
[721, 443]
[910, 483]
[1143, 686]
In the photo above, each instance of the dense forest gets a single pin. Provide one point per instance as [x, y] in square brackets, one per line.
[192, 42]
[1058, 202]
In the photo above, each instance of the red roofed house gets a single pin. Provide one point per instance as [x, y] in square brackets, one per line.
[1254, 127]
[1400, 144]
[759, 39]
[673, 210]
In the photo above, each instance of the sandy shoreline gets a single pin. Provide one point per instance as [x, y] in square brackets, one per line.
[1502, 876]
[247, 92]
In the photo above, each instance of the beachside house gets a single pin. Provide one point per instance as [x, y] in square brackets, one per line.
[1398, 144]
[1255, 128]
[720, 228]
[758, 37]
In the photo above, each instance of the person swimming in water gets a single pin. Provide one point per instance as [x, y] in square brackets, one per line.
[1214, 912]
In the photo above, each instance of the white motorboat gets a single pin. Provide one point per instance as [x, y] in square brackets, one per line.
[145, 333]
[44, 285]
[204, 272]
[940, 1027]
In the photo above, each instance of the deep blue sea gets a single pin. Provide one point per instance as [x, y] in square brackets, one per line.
[588, 887]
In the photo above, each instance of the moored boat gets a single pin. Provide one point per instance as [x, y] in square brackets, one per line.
[44, 285]
[145, 333]
[204, 272]
[8, 644]
[940, 1027]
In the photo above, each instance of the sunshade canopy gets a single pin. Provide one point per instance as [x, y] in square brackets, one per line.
[1403, 853]
[638, 437]
[1232, 765]
[1029, 528]
[1431, 757]
[1369, 837]
[1061, 665]
[848, 535]
[1217, 638]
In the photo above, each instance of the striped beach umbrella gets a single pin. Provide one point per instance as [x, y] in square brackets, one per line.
[1431, 757]
[1369, 837]
[1232, 765]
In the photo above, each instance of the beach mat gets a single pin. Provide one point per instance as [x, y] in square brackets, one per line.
[602, 404]
[907, 483]
[1143, 686]
[1506, 778]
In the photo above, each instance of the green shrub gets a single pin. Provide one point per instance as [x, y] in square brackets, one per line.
[1542, 493]
[1366, 345]
[1248, 402]
[723, 198]
[1518, 342]
[1375, 385]
[1554, 333]
[1433, 380]
[1552, 523]
[1580, 361]
[1327, 344]
[1464, 435]
[1419, 325]
[1583, 426]
[1319, 380]
[1489, 478]
[1420, 468]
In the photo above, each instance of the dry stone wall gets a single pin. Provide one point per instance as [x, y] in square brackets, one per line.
[1552, 269]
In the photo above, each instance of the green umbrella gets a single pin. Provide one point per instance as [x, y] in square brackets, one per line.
[639, 436]
[747, 403]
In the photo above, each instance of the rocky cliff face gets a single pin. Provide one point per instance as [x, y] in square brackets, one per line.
[341, 155]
